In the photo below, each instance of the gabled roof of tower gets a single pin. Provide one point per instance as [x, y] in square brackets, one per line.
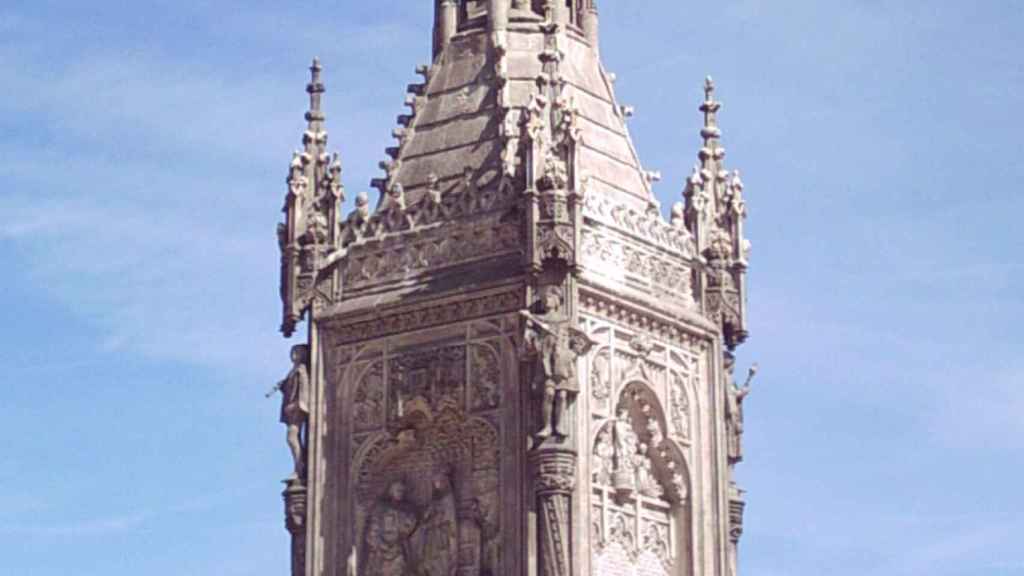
[467, 115]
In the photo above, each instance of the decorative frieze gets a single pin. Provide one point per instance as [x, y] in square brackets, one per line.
[648, 226]
[664, 275]
[427, 316]
[640, 320]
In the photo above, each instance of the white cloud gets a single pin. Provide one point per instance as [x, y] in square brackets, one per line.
[144, 188]
[91, 527]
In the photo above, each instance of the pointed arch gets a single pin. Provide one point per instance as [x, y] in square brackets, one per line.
[641, 516]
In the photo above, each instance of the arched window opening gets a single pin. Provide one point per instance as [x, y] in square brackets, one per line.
[640, 499]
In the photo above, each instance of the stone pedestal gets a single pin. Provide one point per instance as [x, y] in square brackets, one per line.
[295, 520]
[554, 481]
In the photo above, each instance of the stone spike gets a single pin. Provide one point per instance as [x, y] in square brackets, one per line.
[315, 89]
[710, 107]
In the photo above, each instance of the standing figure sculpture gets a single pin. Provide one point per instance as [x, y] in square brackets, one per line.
[295, 405]
[557, 344]
[439, 544]
[734, 396]
[387, 541]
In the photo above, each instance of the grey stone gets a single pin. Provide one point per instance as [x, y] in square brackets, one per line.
[515, 364]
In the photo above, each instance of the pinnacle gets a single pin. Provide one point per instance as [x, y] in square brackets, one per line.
[709, 88]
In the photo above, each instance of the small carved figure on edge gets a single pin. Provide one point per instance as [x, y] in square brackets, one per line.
[735, 394]
[557, 344]
[295, 405]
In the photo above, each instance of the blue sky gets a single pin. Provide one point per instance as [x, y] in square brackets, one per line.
[143, 148]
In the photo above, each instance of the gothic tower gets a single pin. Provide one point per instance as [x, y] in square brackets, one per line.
[515, 365]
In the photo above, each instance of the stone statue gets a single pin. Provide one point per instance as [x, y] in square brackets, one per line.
[604, 457]
[557, 344]
[647, 483]
[490, 543]
[439, 542]
[387, 541]
[735, 394]
[626, 446]
[295, 405]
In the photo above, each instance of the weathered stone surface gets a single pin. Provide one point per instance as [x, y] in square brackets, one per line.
[515, 364]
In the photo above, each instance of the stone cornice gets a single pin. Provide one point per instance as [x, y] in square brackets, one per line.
[679, 327]
[362, 325]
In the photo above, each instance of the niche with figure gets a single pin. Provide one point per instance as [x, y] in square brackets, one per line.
[640, 510]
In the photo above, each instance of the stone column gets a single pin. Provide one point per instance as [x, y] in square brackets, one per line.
[497, 14]
[591, 27]
[559, 11]
[295, 520]
[446, 23]
[554, 481]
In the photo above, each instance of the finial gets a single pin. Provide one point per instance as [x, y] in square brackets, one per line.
[709, 88]
[315, 89]
[316, 68]
[710, 132]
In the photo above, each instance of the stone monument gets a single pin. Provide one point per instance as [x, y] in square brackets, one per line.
[514, 363]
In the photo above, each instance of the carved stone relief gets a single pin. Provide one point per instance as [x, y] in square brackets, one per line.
[368, 405]
[640, 491]
[426, 459]
[383, 262]
[425, 317]
[485, 377]
[463, 200]
[425, 378]
[639, 320]
[601, 379]
[679, 405]
[664, 275]
[648, 226]
[428, 497]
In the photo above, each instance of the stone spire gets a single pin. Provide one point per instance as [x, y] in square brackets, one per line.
[309, 234]
[315, 89]
[715, 211]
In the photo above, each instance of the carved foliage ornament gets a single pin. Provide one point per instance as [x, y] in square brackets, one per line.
[419, 318]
